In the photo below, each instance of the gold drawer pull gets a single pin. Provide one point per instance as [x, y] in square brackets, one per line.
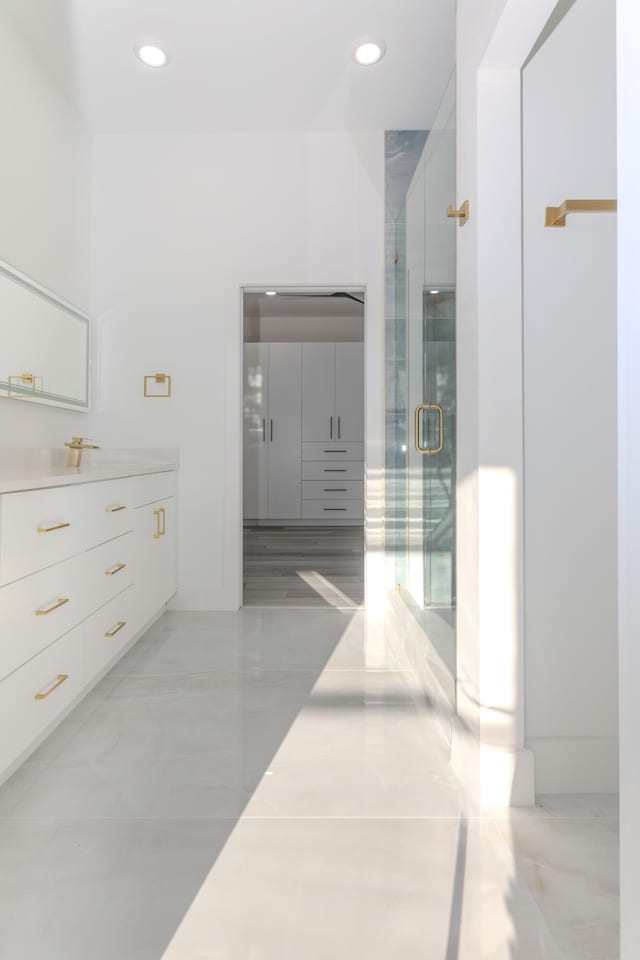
[115, 509]
[113, 570]
[118, 627]
[56, 606]
[55, 526]
[60, 679]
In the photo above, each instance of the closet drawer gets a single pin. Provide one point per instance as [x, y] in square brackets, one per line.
[334, 510]
[38, 609]
[333, 451]
[35, 696]
[332, 489]
[109, 631]
[333, 470]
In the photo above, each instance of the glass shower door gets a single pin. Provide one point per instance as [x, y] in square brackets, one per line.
[424, 323]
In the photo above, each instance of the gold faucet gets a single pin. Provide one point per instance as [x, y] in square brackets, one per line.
[77, 445]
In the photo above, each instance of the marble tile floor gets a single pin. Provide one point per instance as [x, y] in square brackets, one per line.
[272, 785]
[303, 566]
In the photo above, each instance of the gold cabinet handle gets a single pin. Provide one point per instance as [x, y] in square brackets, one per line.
[161, 523]
[118, 627]
[115, 509]
[428, 451]
[54, 526]
[111, 572]
[60, 679]
[56, 606]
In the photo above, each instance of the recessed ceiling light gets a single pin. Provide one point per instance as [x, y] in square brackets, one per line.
[434, 292]
[368, 52]
[271, 293]
[152, 56]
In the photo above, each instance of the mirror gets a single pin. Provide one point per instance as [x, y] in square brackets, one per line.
[44, 345]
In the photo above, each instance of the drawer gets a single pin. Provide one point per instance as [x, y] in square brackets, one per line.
[333, 470]
[332, 490]
[35, 696]
[109, 631]
[333, 451]
[153, 487]
[111, 567]
[43, 527]
[111, 504]
[36, 610]
[335, 510]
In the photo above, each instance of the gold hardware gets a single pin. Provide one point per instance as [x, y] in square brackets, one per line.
[428, 451]
[26, 380]
[158, 532]
[60, 679]
[114, 509]
[557, 216]
[157, 378]
[118, 627]
[164, 521]
[77, 445]
[113, 570]
[461, 215]
[60, 603]
[56, 526]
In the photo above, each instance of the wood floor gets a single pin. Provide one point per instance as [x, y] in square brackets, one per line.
[303, 566]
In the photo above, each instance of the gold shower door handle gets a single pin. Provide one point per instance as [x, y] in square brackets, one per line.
[429, 451]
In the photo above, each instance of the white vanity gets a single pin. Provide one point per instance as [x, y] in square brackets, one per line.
[87, 563]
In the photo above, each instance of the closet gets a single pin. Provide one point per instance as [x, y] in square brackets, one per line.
[304, 432]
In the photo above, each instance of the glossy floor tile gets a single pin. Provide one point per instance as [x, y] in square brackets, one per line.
[273, 784]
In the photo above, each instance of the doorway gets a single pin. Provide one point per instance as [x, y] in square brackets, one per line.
[303, 447]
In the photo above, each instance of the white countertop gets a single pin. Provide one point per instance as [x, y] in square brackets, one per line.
[35, 469]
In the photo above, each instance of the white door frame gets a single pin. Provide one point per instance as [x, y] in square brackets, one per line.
[371, 487]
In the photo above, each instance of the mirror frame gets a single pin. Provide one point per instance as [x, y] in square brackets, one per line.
[41, 396]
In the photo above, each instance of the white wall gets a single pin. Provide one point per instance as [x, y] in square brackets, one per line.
[303, 329]
[180, 223]
[569, 126]
[629, 467]
[45, 211]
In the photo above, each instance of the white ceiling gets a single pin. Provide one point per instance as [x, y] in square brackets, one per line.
[244, 64]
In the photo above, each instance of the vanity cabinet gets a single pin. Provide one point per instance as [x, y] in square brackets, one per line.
[155, 534]
[84, 570]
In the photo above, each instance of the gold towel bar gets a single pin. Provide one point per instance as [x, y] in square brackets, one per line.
[557, 216]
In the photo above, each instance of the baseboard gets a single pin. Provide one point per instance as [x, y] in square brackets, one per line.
[576, 764]
[413, 649]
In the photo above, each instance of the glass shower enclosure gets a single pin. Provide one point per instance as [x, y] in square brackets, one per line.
[421, 377]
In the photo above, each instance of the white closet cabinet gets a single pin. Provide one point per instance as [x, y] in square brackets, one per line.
[349, 392]
[256, 461]
[283, 483]
[332, 391]
[272, 422]
[318, 391]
